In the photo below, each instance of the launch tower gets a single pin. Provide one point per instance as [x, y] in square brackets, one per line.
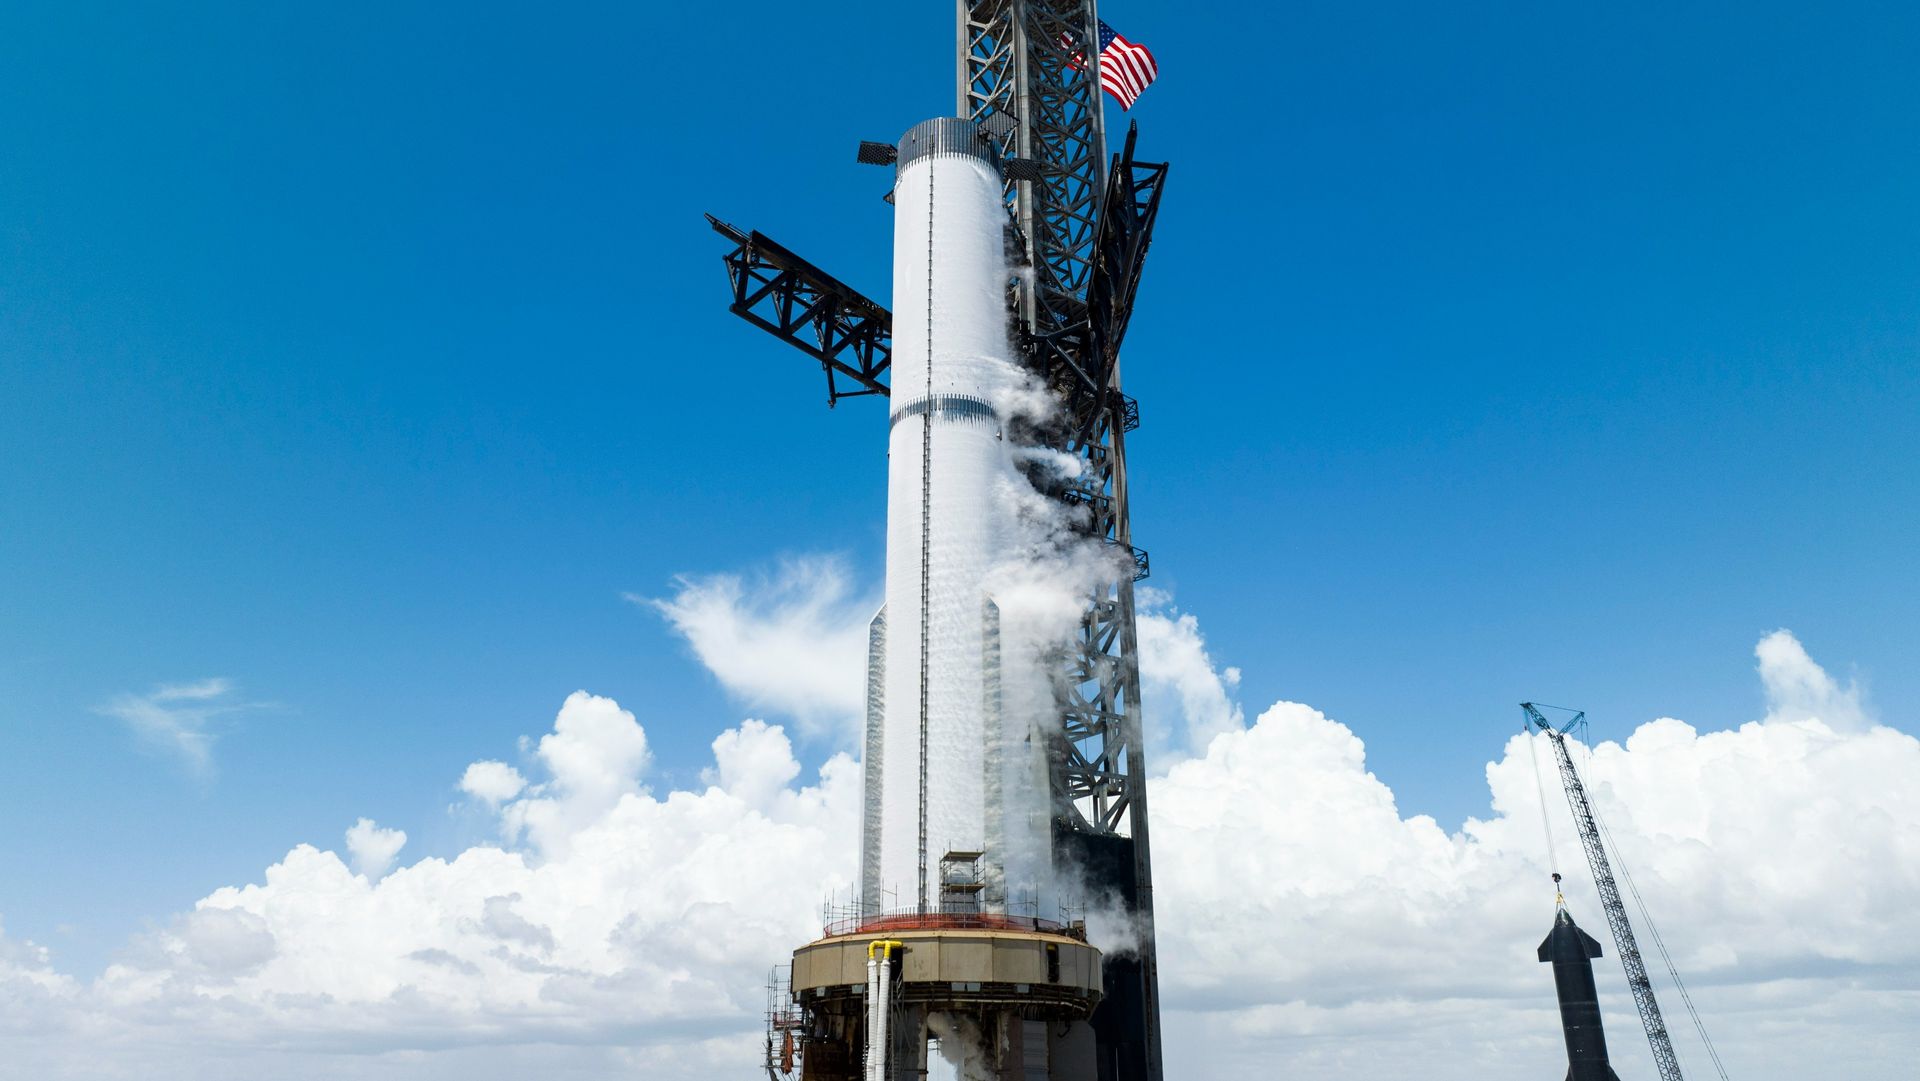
[1017, 252]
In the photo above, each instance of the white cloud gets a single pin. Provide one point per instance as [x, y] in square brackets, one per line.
[752, 765]
[639, 928]
[795, 644]
[176, 718]
[1306, 927]
[373, 848]
[1800, 690]
[29, 984]
[491, 782]
[224, 941]
[1179, 678]
[1762, 851]
[594, 756]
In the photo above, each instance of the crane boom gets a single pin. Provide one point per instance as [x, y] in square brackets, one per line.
[1583, 819]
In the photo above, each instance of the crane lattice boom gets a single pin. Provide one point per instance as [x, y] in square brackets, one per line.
[1642, 987]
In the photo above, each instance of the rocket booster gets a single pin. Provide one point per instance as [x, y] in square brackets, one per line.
[937, 780]
[1571, 952]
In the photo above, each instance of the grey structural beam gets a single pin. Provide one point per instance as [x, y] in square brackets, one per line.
[797, 302]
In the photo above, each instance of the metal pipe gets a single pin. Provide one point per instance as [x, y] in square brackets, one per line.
[876, 1051]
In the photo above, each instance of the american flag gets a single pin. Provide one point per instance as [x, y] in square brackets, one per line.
[1125, 68]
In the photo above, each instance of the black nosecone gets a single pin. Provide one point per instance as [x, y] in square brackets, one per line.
[1571, 952]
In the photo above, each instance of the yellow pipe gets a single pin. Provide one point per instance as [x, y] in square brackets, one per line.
[886, 946]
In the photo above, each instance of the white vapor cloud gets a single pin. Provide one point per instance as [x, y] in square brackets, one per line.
[372, 848]
[795, 643]
[176, 718]
[1306, 927]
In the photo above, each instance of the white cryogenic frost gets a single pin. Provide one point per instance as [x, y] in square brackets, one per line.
[951, 347]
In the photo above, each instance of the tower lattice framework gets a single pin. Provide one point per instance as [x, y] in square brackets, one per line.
[1083, 230]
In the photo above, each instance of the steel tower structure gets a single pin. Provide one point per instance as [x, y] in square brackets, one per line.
[1085, 232]
[1082, 223]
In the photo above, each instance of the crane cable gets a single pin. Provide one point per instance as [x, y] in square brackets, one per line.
[1646, 919]
[1546, 821]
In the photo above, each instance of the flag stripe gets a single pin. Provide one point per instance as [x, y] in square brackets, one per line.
[1126, 69]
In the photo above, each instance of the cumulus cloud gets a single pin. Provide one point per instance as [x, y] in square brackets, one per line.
[1799, 690]
[372, 848]
[751, 764]
[1769, 855]
[1182, 688]
[794, 643]
[639, 927]
[594, 757]
[177, 718]
[1297, 905]
[222, 941]
[29, 984]
[1306, 926]
[492, 782]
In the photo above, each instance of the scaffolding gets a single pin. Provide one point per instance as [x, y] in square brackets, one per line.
[786, 1026]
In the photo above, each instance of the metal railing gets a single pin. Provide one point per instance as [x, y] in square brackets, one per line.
[914, 920]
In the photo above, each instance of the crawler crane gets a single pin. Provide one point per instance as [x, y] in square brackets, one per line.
[1589, 828]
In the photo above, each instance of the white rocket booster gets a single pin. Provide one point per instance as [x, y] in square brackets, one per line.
[936, 750]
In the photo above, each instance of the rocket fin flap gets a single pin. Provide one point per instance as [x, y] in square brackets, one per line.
[1567, 942]
[1588, 943]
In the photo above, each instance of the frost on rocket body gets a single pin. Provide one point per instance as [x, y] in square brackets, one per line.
[959, 509]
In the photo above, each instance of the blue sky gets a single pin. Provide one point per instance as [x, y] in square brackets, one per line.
[366, 357]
